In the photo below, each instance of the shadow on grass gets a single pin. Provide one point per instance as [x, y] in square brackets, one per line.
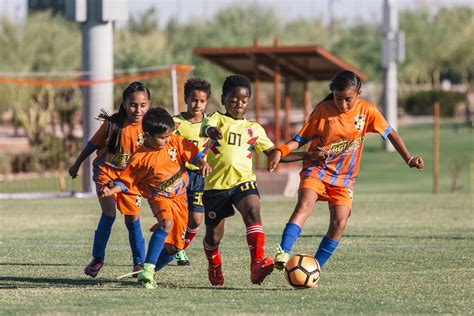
[39, 264]
[392, 236]
[219, 288]
[41, 282]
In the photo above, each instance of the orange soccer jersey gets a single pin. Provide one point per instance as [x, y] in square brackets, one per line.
[342, 136]
[108, 166]
[160, 176]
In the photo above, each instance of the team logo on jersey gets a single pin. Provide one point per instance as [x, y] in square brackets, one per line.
[140, 140]
[359, 122]
[250, 132]
[173, 152]
[212, 214]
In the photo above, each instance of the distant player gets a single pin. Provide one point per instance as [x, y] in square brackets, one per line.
[197, 92]
[337, 129]
[157, 172]
[115, 141]
[232, 182]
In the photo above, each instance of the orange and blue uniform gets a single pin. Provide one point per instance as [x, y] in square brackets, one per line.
[342, 136]
[109, 166]
[160, 177]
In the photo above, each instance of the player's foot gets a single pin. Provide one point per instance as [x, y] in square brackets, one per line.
[261, 269]
[281, 258]
[216, 276]
[93, 268]
[137, 268]
[146, 278]
[182, 258]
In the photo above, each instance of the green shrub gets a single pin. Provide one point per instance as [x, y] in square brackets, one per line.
[422, 103]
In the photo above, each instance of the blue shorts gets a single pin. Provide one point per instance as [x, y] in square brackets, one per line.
[219, 204]
[194, 190]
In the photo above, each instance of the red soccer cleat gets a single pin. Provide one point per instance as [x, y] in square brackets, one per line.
[137, 268]
[216, 276]
[261, 269]
[93, 268]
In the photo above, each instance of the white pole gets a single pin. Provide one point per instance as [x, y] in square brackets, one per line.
[97, 60]
[389, 62]
[174, 82]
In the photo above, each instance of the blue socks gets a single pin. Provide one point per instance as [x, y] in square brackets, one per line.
[163, 259]
[325, 250]
[137, 242]
[157, 241]
[101, 236]
[290, 234]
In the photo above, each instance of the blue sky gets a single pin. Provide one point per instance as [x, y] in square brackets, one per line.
[349, 10]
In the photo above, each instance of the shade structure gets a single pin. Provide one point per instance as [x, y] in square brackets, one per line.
[297, 63]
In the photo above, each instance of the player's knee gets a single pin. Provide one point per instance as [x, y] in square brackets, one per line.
[338, 224]
[172, 249]
[167, 224]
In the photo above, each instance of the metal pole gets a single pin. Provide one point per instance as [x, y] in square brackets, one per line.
[174, 82]
[97, 61]
[436, 148]
[389, 62]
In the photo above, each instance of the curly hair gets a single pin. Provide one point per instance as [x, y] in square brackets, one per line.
[199, 84]
[234, 81]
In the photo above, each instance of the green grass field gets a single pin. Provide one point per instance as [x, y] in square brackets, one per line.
[401, 254]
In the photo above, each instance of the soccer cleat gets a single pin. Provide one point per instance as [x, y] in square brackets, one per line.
[216, 276]
[261, 269]
[281, 258]
[146, 278]
[137, 268]
[182, 258]
[93, 268]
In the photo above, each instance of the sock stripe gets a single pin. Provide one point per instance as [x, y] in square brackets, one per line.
[208, 247]
[192, 230]
[254, 229]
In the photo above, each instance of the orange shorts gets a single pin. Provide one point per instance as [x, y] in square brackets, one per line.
[103, 175]
[129, 202]
[327, 192]
[175, 208]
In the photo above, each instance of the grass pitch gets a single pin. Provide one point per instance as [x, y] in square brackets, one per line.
[401, 254]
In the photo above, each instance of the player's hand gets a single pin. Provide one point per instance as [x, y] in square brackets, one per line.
[105, 191]
[73, 171]
[204, 169]
[273, 160]
[319, 154]
[416, 162]
[214, 133]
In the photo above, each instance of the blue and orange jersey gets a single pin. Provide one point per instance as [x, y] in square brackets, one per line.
[342, 136]
[160, 172]
[190, 131]
[131, 138]
[231, 157]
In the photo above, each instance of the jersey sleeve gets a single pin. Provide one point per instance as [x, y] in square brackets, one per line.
[189, 152]
[308, 131]
[133, 174]
[377, 123]
[98, 140]
[209, 121]
[263, 142]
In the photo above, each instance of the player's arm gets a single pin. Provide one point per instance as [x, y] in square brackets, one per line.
[284, 153]
[399, 145]
[96, 142]
[209, 130]
[110, 190]
[204, 168]
[190, 153]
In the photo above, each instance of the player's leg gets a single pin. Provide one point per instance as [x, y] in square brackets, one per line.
[211, 243]
[247, 202]
[340, 205]
[101, 235]
[339, 214]
[307, 197]
[136, 240]
[174, 241]
[163, 214]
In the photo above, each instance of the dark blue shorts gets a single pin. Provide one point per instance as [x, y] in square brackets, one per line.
[195, 190]
[219, 204]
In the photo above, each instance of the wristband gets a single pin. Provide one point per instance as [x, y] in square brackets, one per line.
[284, 149]
[206, 129]
[410, 159]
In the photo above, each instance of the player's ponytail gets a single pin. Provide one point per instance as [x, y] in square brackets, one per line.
[117, 120]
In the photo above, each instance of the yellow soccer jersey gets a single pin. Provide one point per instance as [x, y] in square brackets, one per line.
[190, 131]
[231, 157]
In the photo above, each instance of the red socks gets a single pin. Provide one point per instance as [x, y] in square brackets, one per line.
[212, 253]
[189, 236]
[256, 242]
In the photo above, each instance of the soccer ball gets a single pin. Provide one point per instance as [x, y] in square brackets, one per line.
[302, 271]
